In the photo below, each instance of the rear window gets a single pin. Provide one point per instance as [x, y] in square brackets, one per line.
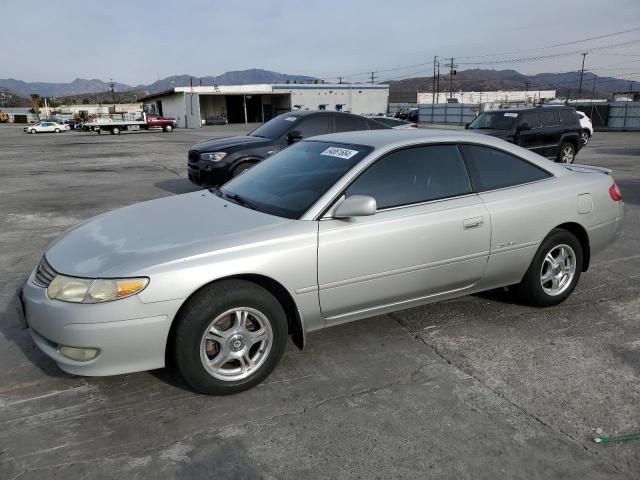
[492, 169]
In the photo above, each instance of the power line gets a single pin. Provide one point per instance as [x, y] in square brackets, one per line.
[556, 45]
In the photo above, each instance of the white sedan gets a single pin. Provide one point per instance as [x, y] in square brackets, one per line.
[46, 127]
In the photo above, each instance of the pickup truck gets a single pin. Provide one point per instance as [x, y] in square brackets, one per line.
[115, 126]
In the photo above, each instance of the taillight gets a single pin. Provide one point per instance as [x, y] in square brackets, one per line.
[414, 125]
[614, 192]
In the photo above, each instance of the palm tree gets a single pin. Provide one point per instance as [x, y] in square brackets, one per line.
[35, 103]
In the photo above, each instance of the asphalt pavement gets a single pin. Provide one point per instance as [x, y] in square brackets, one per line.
[479, 387]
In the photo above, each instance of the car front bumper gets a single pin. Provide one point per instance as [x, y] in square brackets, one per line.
[207, 173]
[129, 335]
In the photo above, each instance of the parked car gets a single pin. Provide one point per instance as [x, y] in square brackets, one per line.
[73, 123]
[216, 161]
[46, 127]
[329, 230]
[216, 120]
[394, 122]
[553, 132]
[587, 126]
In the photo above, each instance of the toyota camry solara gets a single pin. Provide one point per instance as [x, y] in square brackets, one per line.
[333, 229]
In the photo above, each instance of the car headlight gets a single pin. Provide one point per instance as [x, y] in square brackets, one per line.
[213, 157]
[89, 290]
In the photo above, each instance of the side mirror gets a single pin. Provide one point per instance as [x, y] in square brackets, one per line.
[356, 206]
[294, 136]
[523, 127]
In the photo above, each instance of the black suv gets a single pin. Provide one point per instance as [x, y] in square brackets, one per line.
[553, 132]
[214, 162]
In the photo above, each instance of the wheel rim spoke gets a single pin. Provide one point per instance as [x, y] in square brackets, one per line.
[241, 319]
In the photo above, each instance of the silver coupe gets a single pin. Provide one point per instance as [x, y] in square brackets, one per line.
[333, 229]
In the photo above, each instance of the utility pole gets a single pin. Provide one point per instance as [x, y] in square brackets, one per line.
[452, 72]
[526, 91]
[438, 85]
[112, 89]
[433, 91]
[584, 55]
[340, 80]
[373, 78]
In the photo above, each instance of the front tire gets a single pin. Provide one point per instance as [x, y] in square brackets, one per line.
[229, 337]
[33, 131]
[567, 153]
[240, 169]
[57, 130]
[168, 128]
[554, 271]
[115, 131]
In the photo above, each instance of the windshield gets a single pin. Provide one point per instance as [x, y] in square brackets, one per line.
[494, 120]
[276, 127]
[288, 183]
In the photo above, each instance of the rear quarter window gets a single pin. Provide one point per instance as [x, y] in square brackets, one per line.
[492, 169]
[569, 117]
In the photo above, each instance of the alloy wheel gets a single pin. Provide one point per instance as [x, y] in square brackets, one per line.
[558, 270]
[236, 344]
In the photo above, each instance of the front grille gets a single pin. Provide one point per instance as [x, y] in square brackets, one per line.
[194, 156]
[44, 274]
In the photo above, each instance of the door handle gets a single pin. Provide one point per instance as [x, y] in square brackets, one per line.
[470, 223]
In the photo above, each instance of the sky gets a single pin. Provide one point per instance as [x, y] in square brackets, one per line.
[137, 42]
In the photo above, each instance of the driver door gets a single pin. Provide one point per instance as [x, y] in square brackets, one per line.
[430, 235]
[531, 139]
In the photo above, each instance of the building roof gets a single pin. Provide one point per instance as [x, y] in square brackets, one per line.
[264, 88]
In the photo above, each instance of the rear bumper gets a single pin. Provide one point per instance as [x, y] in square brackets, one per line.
[129, 335]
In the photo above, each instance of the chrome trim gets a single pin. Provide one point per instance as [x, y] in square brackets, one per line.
[44, 274]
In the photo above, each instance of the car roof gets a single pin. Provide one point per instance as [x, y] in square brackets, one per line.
[525, 109]
[391, 138]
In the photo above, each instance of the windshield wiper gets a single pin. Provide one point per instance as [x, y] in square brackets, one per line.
[238, 199]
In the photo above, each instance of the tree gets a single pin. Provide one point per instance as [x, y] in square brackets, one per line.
[35, 103]
[86, 101]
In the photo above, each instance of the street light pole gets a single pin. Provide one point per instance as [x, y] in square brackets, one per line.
[584, 55]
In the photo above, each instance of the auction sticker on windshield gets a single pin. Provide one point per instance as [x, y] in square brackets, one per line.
[339, 152]
[290, 119]
[509, 114]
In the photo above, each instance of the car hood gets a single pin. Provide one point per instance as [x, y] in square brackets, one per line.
[223, 144]
[132, 240]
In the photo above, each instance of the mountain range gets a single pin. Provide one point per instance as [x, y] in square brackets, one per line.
[81, 86]
[566, 84]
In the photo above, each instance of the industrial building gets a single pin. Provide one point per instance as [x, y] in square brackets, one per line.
[194, 106]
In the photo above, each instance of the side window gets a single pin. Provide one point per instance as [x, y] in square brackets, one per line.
[568, 117]
[549, 118]
[350, 123]
[314, 125]
[532, 117]
[414, 175]
[492, 169]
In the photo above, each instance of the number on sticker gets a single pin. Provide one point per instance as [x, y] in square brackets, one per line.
[339, 152]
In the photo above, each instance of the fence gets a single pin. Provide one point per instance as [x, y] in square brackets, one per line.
[395, 107]
[605, 116]
[448, 113]
[624, 116]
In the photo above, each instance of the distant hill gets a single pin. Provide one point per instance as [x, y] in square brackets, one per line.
[81, 86]
[565, 84]
[9, 99]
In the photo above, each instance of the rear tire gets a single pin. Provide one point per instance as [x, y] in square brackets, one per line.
[57, 130]
[567, 153]
[554, 271]
[240, 169]
[115, 131]
[585, 137]
[229, 337]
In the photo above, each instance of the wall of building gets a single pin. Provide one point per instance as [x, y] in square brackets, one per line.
[359, 99]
